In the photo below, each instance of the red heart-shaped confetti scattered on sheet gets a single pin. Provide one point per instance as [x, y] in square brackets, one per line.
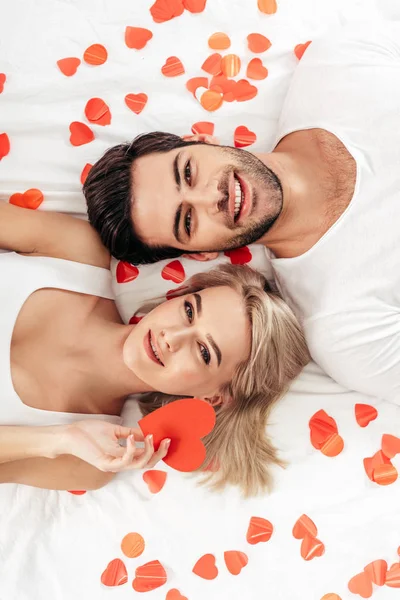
[185, 422]
[97, 112]
[256, 70]
[176, 292]
[390, 445]
[235, 561]
[77, 492]
[365, 414]
[361, 584]
[259, 530]
[115, 573]
[32, 199]
[205, 567]
[165, 10]
[135, 320]
[240, 256]
[376, 571]
[136, 102]
[333, 446]
[149, 577]
[243, 137]
[371, 463]
[268, 7]
[194, 6]
[4, 145]
[95, 55]
[393, 576]
[230, 65]
[210, 100]
[175, 594]
[219, 41]
[80, 134]
[132, 545]
[173, 67]
[85, 172]
[69, 66]
[243, 91]
[212, 64]
[311, 547]
[137, 37]
[174, 271]
[126, 272]
[322, 427]
[258, 43]
[203, 127]
[226, 86]
[196, 82]
[2, 81]
[155, 480]
[331, 597]
[385, 474]
[304, 526]
[300, 49]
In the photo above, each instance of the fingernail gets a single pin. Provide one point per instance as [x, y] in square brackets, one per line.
[150, 437]
[167, 443]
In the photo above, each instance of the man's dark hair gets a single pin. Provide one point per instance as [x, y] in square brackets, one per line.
[108, 192]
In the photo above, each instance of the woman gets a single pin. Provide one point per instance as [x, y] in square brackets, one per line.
[67, 356]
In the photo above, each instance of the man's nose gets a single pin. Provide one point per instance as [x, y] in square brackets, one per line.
[208, 199]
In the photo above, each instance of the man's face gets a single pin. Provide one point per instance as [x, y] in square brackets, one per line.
[203, 197]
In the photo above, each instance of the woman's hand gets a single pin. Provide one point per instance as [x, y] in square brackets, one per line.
[97, 443]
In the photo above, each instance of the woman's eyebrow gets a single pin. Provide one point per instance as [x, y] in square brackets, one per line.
[216, 349]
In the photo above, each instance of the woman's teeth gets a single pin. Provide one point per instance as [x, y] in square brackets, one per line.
[155, 351]
[238, 198]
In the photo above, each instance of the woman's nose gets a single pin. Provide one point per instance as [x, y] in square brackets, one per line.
[174, 338]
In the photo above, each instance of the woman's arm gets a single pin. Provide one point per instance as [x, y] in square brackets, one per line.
[50, 234]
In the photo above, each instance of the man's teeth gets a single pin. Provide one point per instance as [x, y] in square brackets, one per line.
[154, 350]
[238, 198]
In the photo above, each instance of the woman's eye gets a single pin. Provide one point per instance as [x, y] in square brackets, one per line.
[188, 222]
[189, 311]
[188, 173]
[205, 354]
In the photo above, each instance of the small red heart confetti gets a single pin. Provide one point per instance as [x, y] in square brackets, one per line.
[68, 66]
[174, 271]
[243, 91]
[393, 576]
[175, 594]
[311, 547]
[385, 474]
[80, 134]
[376, 571]
[126, 272]
[97, 112]
[205, 567]
[230, 65]
[173, 67]
[155, 480]
[225, 86]
[77, 492]
[235, 561]
[240, 256]
[361, 584]
[268, 7]
[333, 446]
[4, 145]
[95, 55]
[32, 199]
[132, 545]
[137, 37]
[165, 10]
[300, 49]
[2, 81]
[259, 530]
[212, 64]
[115, 574]
[219, 41]
[331, 597]
[390, 445]
[203, 127]
[322, 427]
[85, 172]
[304, 526]
[135, 320]
[243, 137]
[194, 6]
[258, 43]
[149, 577]
[256, 70]
[196, 82]
[176, 292]
[136, 102]
[371, 463]
[365, 414]
[210, 100]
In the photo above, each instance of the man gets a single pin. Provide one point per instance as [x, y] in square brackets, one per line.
[325, 202]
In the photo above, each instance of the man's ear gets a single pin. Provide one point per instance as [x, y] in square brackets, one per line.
[202, 137]
[201, 256]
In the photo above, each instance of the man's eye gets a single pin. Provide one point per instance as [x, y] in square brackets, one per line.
[205, 354]
[189, 311]
[188, 222]
[188, 173]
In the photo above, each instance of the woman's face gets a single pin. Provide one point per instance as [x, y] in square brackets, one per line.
[190, 345]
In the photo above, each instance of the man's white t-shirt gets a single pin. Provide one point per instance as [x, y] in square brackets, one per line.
[346, 288]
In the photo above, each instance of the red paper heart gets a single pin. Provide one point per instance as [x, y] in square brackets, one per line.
[126, 272]
[365, 414]
[155, 480]
[258, 43]
[322, 427]
[194, 6]
[333, 446]
[243, 137]
[196, 82]
[2, 81]
[331, 597]
[393, 576]
[212, 64]
[371, 463]
[390, 445]
[175, 595]
[135, 320]
[172, 67]
[4, 145]
[137, 37]
[256, 70]
[68, 66]
[376, 571]
[97, 112]
[77, 492]
[361, 584]
[304, 526]
[174, 271]
[185, 422]
[235, 561]
[203, 127]
[149, 577]
[136, 102]
[165, 10]
[243, 91]
[205, 567]
[240, 256]
[300, 49]
[132, 545]
[95, 55]
[259, 530]
[385, 474]
[80, 134]
[269, 7]
[114, 574]
[30, 199]
[85, 172]
[311, 547]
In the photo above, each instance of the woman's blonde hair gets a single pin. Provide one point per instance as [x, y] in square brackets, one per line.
[238, 449]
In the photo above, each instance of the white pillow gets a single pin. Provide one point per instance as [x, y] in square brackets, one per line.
[136, 286]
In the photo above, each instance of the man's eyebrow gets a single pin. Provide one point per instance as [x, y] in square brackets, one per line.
[177, 176]
[176, 223]
[217, 351]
